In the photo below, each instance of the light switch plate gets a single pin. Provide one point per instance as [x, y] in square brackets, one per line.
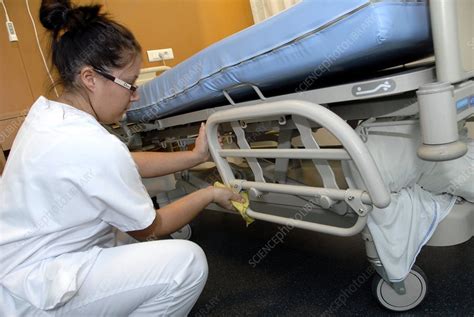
[160, 55]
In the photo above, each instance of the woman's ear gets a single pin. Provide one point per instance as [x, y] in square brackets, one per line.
[87, 78]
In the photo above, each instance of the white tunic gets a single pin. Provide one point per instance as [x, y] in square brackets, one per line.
[67, 183]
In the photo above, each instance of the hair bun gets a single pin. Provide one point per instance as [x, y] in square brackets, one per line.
[81, 17]
[54, 14]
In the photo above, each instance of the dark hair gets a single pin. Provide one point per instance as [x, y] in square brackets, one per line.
[83, 36]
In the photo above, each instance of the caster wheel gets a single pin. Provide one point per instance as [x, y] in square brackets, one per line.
[416, 284]
[184, 233]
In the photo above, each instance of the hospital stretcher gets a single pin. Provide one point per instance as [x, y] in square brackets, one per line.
[319, 66]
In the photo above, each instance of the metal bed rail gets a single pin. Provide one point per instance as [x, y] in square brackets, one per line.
[302, 114]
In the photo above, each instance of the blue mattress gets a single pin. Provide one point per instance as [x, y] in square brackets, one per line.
[314, 40]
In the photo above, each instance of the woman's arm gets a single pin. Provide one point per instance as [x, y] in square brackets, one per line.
[179, 213]
[153, 164]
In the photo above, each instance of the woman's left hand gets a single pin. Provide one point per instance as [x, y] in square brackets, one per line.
[201, 147]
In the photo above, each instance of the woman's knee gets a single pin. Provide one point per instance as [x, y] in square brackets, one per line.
[195, 261]
[185, 258]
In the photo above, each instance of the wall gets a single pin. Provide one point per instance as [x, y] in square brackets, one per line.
[187, 26]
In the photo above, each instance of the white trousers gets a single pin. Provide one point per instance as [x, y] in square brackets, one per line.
[158, 278]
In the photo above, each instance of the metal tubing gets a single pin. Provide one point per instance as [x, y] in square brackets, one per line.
[337, 194]
[302, 154]
[324, 117]
[337, 231]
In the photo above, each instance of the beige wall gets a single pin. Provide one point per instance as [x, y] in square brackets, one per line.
[187, 26]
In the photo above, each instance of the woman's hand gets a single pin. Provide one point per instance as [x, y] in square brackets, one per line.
[224, 196]
[201, 147]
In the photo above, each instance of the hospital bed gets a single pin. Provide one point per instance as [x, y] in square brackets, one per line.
[320, 67]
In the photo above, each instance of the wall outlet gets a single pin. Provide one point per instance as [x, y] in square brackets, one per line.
[160, 55]
[11, 32]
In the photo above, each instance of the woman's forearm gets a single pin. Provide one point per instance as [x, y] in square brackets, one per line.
[174, 216]
[154, 164]
[179, 213]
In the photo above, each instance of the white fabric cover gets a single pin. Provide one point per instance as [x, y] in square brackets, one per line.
[422, 194]
[455, 177]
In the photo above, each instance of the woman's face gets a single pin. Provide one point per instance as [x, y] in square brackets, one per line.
[113, 100]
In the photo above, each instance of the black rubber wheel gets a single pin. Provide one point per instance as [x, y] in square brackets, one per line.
[416, 284]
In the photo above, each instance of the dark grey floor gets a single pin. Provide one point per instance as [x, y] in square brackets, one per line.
[309, 272]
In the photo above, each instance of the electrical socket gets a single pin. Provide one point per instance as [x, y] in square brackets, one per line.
[11, 32]
[160, 55]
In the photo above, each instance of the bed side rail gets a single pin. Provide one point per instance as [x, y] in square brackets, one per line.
[302, 112]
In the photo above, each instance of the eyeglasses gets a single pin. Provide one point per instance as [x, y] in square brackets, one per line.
[118, 81]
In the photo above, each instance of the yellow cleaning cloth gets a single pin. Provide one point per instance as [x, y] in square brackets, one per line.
[241, 207]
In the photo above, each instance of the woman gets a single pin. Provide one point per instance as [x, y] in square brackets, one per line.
[68, 183]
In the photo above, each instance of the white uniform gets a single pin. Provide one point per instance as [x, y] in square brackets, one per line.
[67, 184]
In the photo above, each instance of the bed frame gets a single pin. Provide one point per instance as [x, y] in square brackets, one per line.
[438, 95]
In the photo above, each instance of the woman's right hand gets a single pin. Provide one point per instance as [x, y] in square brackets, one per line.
[224, 196]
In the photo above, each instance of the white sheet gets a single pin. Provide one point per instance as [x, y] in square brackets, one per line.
[422, 194]
[455, 177]
[405, 226]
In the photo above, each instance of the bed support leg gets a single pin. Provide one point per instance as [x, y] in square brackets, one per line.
[439, 125]
[281, 164]
[373, 257]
